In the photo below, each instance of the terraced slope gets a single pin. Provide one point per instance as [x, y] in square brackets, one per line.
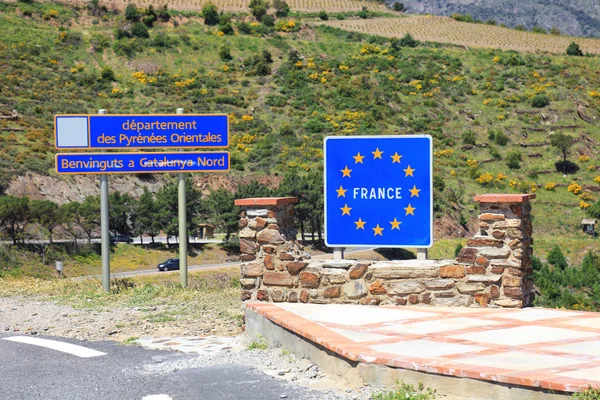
[447, 30]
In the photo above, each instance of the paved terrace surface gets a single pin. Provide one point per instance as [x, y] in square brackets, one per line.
[535, 347]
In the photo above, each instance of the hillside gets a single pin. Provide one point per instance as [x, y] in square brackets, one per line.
[286, 87]
[575, 17]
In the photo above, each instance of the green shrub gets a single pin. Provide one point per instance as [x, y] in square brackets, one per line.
[364, 13]
[131, 12]
[210, 12]
[574, 50]
[323, 15]
[589, 394]
[468, 137]
[286, 130]
[282, 9]
[225, 53]
[163, 41]
[407, 392]
[457, 249]
[513, 160]
[399, 7]
[408, 41]
[100, 42]
[275, 101]
[225, 24]
[557, 258]
[540, 100]
[140, 30]
[498, 137]
[494, 153]
[258, 8]
[268, 20]
[108, 74]
[538, 29]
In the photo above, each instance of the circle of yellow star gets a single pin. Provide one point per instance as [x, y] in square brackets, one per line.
[341, 192]
[414, 192]
[358, 158]
[346, 172]
[377, 154]
[409, 171]
[378, 230]
[345, 210]
[410, 210]
[396, 158]
[360, 224]
[395, 224]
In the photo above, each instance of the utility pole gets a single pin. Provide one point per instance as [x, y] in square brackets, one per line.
[183, 233]
[104, 231]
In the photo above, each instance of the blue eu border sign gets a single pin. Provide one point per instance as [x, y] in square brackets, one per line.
[378, 191]
[140, 163]
[141, 131]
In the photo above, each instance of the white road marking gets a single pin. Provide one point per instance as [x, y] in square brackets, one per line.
[158, 397]
[73, 349]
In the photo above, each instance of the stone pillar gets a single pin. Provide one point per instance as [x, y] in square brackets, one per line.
[498, 257]
[272, 257]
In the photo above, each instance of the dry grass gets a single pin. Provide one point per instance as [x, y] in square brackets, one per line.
[447, 30]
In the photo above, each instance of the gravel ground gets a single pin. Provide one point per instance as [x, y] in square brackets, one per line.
[277, 364]
[48, 318]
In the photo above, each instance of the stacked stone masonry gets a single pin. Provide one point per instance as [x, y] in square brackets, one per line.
[492, 270]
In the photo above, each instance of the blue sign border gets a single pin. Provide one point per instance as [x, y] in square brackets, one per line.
[225, 141]
[384, 245]
[125, 157]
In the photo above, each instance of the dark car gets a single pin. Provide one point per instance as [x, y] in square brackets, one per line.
[170, 264]
[121, 239]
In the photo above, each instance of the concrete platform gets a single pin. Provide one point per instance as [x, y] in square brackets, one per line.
[533, 352]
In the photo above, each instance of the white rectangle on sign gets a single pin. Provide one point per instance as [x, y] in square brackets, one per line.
[72, 132]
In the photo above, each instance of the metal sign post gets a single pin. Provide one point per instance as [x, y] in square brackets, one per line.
[183, 233]
[104, 229]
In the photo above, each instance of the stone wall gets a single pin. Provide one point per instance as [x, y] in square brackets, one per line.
[493, 270]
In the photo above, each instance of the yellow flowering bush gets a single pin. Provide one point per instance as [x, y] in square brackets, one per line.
[443, 153]
[143, 78]
[586, 195]
[513, 183]
[286, 26]
[247, 118]
[583, 205]
[501, 117]
[453, 173]
[574, 188]
[584, 159]
[185, 83]
[594, 93]
[487, 102]
[597, 179]
[496, 60]
[472, 163]
[485, 179]
[550, 186]
[344, 67]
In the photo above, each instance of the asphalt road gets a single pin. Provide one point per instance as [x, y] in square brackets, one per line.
[28, 371]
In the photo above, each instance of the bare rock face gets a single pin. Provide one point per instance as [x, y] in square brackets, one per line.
[65, 189]
[78, 187]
